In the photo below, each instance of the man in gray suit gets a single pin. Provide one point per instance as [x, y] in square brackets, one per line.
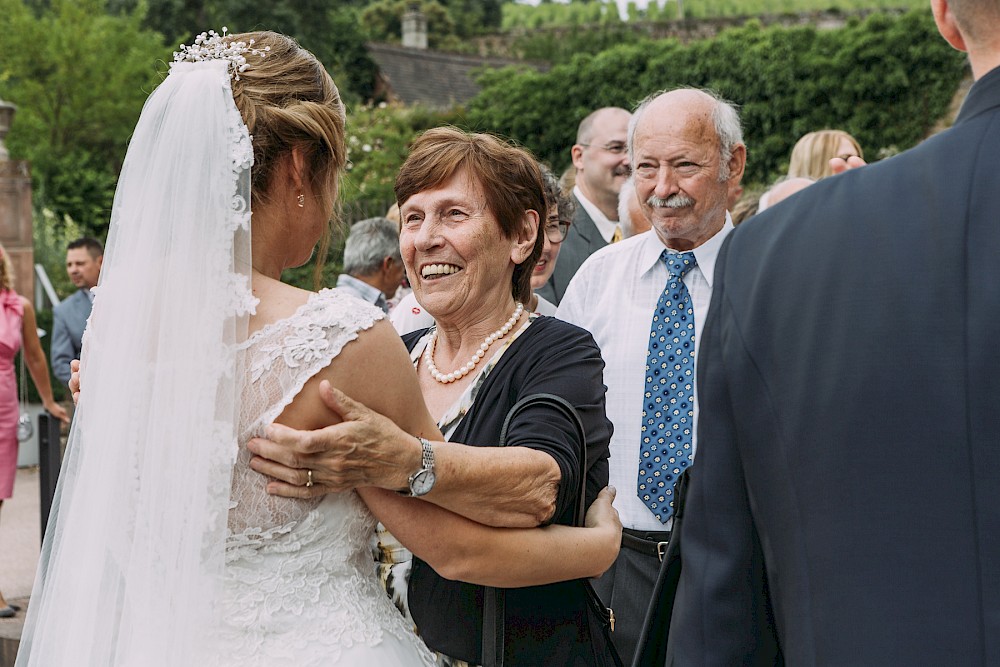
[601, 162]
[83, 264]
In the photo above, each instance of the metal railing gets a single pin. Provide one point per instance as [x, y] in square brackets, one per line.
[44, 289]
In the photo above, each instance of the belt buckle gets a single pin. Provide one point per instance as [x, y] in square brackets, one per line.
[661, 548]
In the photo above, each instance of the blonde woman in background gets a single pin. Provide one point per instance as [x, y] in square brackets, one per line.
[17, 329]
[813, 152]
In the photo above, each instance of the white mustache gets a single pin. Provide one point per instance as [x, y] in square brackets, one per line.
[673, 201]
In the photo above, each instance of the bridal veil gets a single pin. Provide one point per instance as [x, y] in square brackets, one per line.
[134, 552]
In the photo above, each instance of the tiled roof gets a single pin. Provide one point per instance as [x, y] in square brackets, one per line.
[432, 78]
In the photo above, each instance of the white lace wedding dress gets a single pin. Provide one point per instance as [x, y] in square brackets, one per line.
[301, 587]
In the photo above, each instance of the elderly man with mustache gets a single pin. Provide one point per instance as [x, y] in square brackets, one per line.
[645, 300]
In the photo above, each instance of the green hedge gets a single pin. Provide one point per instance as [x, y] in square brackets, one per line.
[886, 80]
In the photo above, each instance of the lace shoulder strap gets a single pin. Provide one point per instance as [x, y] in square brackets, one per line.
[275, 363]
[283, 356]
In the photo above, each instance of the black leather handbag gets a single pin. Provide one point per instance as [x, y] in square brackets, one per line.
[599, 617]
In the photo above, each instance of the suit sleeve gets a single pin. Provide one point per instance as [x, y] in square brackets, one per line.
[61, 350]
[722, 614]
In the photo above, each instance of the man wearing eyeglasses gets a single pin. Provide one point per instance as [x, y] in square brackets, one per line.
[601, 162]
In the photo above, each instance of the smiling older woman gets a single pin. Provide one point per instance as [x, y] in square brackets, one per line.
[410, 316]
[470, 206]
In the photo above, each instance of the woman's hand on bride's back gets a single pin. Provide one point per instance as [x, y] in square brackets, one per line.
[365, 449]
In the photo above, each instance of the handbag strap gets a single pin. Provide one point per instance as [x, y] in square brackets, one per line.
[564, 406]
[494, 599]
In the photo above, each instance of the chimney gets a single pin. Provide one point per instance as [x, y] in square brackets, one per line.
[414, 27]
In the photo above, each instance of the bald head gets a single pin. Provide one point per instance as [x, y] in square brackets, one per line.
[600, 118]
[600, 158]
[703, 107]
[783, 190]
[687, 154]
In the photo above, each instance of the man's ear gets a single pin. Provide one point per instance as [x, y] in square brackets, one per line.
[947, 25]
[577, 154]
[737, 164]
[524, 240]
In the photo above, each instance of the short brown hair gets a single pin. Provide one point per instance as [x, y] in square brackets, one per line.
[509, 177]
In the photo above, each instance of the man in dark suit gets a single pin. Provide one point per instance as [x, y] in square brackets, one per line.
[83, 264]
[843, 509]
[601, 163]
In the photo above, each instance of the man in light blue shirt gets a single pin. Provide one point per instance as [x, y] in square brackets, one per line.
[373, 266]
[83, 264]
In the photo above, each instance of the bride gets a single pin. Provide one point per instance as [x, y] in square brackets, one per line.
[164, 547]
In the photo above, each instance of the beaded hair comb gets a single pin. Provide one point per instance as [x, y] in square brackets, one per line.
[210, 46]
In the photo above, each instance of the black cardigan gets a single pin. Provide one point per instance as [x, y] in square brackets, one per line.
[544, 624]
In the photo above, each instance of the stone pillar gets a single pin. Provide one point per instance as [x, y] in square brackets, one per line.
[414, 28]
[15, 210]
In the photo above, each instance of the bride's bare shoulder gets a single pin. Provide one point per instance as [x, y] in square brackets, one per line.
[278, 301]
[374, 369]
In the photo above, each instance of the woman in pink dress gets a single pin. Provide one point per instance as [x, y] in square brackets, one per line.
[17, 327]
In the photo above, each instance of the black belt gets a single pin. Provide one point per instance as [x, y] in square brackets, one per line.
[648, 542]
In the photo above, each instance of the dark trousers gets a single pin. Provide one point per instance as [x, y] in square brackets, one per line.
[626, 587]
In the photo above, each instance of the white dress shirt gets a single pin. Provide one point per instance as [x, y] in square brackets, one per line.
[605, 227]
[613, 296]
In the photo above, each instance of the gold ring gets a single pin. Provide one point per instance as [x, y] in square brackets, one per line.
[309, 478]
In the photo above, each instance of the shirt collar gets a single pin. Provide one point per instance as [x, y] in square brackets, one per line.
[706, 253]
[604, 226]
[371, 294]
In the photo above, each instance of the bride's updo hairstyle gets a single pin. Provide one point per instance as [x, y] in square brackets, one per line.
[287, 99]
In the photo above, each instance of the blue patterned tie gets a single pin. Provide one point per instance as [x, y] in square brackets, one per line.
[668, 403]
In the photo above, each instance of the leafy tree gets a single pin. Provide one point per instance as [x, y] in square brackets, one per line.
[79, 77]
[886, 80]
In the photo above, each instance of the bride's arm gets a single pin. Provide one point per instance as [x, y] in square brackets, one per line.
[463, 550]
[457, 547]
[382, 410]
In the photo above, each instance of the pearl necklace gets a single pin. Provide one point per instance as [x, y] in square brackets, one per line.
[480, 353]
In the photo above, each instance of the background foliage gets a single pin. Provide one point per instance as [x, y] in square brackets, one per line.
[886, 80]
[80, 70]
[79, 77]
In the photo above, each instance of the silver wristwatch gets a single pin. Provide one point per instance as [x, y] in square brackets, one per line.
[422, 481]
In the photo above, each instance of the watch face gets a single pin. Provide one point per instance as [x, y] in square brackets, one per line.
[422, 482]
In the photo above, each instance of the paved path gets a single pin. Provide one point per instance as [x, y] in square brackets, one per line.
[20, 539]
